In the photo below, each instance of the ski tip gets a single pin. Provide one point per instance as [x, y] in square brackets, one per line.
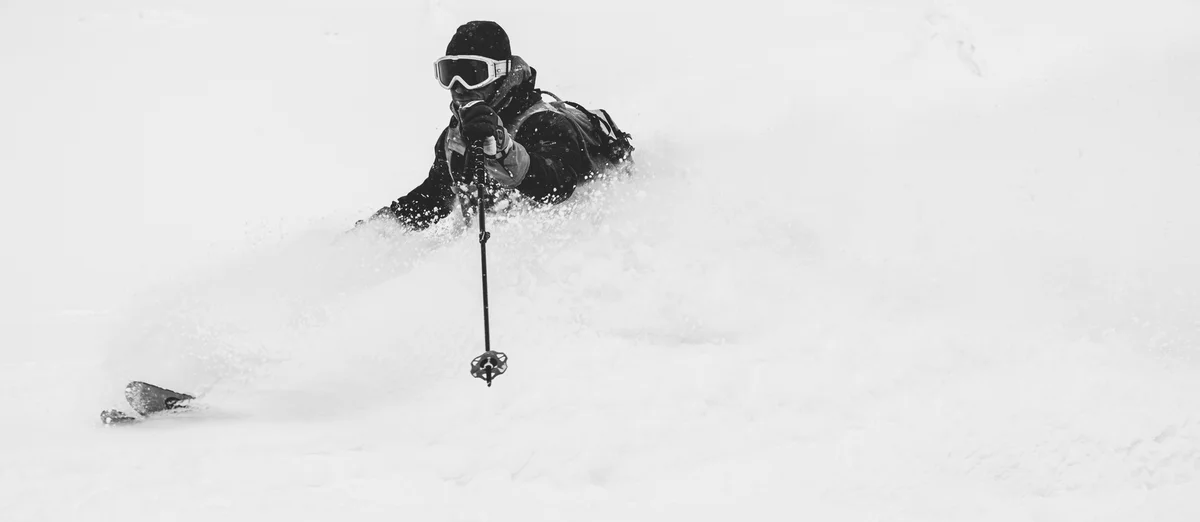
[139, 387]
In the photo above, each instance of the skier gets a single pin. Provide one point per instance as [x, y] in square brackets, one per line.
[543, 151]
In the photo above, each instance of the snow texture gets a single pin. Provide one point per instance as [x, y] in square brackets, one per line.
[903, 261]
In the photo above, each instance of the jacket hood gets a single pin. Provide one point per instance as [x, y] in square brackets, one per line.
[517, 91]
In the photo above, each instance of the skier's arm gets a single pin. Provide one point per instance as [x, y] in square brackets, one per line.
[430, 201]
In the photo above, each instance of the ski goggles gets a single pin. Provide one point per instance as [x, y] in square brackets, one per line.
[471, 71]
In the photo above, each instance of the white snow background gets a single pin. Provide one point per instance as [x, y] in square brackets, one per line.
[880, 261]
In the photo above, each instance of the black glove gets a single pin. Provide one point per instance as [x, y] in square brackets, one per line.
[508, 161]
[480, 122]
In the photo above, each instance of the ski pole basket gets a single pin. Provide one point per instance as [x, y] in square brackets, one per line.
[489, 366]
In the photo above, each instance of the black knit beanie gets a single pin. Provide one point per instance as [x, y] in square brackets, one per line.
[480, 38]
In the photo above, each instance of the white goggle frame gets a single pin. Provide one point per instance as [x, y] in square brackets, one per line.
[496, 69]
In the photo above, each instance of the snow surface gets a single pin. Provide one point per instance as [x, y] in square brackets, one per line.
[921, 260]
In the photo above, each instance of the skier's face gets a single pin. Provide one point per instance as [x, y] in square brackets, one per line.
[461, 94]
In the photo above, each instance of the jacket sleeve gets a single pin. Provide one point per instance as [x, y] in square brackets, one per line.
[431, 200]
[557, 161]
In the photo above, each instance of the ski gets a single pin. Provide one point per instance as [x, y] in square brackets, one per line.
[146, 399]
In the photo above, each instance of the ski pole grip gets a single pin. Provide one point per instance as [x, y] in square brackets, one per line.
[473, 162]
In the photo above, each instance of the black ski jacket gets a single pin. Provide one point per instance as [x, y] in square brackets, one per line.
[557, 159]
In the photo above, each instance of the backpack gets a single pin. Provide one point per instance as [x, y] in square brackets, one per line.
[605, 144]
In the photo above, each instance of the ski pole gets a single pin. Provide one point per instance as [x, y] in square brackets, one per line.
[491, 364]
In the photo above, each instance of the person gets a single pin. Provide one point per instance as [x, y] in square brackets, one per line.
[535, 150]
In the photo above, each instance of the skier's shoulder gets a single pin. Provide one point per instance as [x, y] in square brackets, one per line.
[594, 129]
[546, 120]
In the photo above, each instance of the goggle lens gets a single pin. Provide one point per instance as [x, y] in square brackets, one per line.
[473, 73]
